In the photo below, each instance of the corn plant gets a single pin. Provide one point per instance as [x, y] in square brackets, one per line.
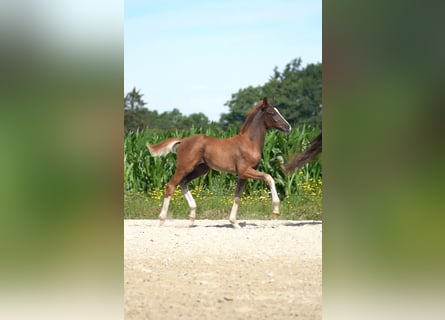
[144, 173]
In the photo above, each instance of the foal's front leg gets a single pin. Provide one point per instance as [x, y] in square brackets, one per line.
[241, 183]
[191, 202]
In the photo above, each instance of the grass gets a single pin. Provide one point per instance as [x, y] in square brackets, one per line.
[305, 205]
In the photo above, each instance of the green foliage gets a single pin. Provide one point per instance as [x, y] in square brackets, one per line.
[133, 100]
[144, 173]
[297, 93]
[240, 103]
[175, 119]
[138, 118]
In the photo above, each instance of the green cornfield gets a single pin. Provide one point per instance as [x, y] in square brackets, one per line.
[145, 178]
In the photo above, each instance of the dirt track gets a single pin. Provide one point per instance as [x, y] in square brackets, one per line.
[264, 270]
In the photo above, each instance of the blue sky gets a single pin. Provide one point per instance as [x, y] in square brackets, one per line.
[193, 55]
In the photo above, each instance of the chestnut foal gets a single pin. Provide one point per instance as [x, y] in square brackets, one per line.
[240, 154]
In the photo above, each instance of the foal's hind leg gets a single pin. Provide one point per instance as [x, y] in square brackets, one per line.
[200, 170]
[240, 185]
[254, 174]
[169, 190]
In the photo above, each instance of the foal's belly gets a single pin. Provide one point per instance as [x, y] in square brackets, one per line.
[221, 162]
[220, 154]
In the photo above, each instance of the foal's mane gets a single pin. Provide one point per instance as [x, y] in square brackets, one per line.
[250, 116]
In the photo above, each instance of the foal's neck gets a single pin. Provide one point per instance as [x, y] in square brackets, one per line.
[256, 132]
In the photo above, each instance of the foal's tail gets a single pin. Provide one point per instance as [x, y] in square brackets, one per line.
[301, 159]
[164, 147]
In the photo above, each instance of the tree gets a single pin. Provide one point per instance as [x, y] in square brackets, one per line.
[133, 100]
[136, 119]
[135, 115]
[169, 119]
[195, 120]
[240, 103]
[296, 90]
[299, 93]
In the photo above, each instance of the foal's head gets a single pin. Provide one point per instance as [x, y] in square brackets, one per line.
[272, 117]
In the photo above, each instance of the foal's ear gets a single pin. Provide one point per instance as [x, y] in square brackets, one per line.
[265, 100]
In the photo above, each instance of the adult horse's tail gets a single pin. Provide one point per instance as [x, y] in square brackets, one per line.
[164, 147]
[301, 159]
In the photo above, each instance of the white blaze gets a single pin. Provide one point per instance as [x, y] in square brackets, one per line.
[290, 127]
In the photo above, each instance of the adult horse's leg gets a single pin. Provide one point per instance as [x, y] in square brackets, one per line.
[240, 185]
[200, 170]
[255, 174]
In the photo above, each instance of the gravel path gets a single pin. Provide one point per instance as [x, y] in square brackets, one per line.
[264, 270]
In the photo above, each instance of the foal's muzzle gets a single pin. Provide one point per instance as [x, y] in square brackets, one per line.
[287, 128]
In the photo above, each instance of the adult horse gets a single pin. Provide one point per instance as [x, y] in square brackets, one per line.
[240, 154]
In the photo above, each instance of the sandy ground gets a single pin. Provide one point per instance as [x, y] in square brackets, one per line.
[264, 270]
